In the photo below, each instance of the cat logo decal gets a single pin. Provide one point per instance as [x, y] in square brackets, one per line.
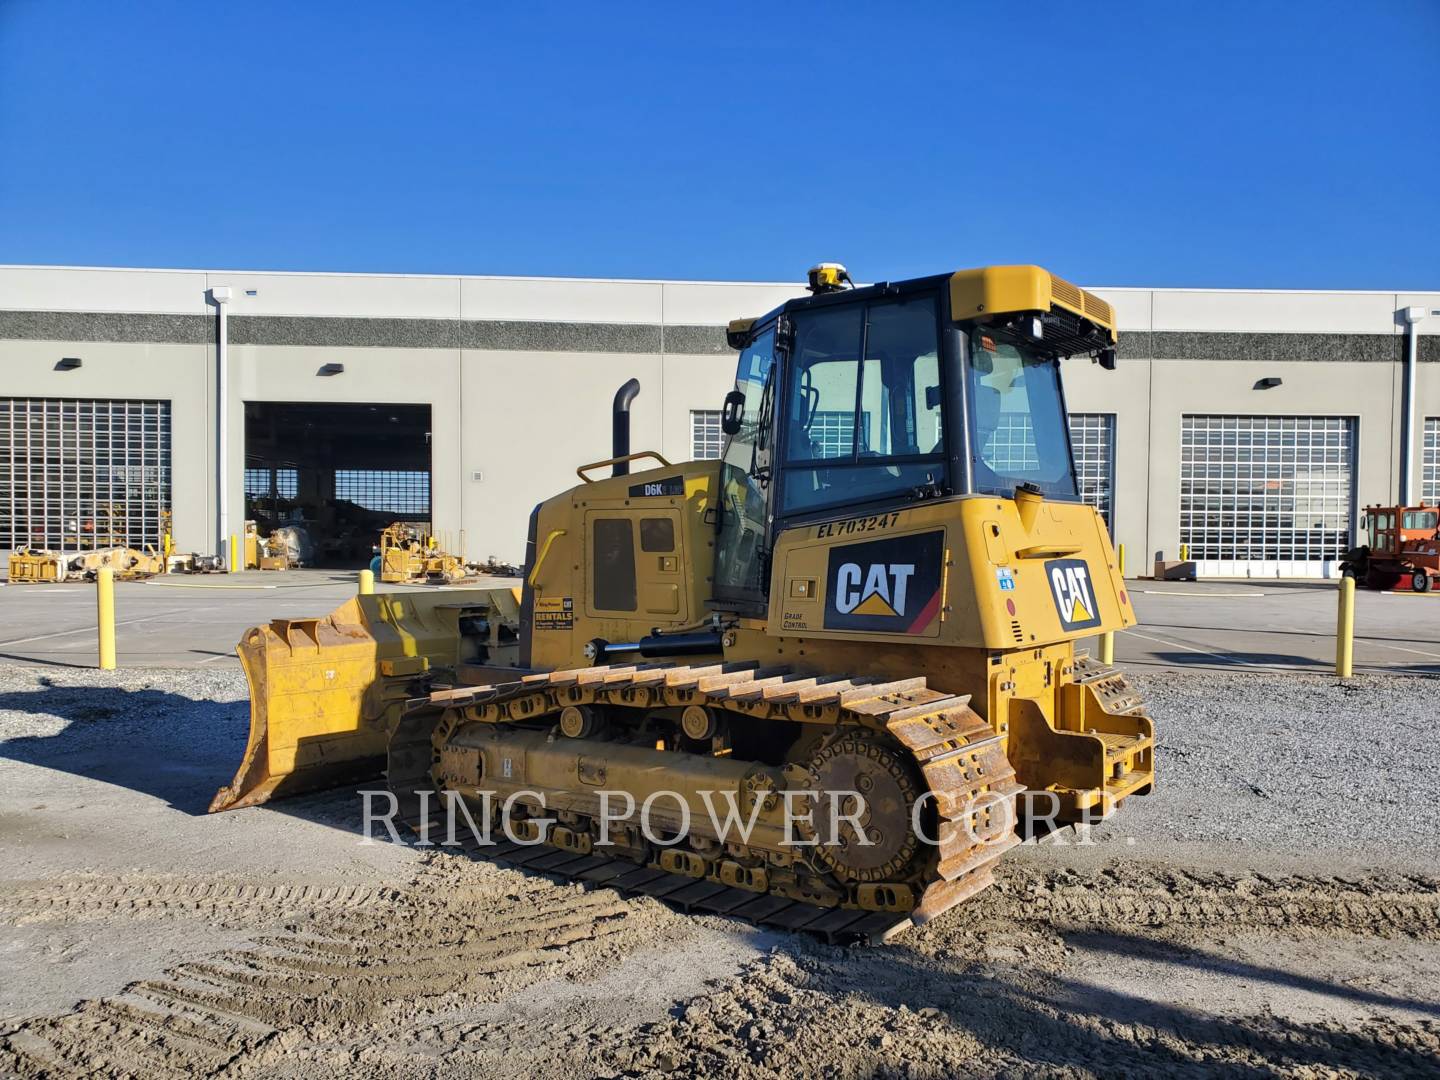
[889, 586]
[1073, 592]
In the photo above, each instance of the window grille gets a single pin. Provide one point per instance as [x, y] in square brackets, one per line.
[1430, 465]
[1267, 488]
[1011, 445]
[84, 474]
[1092, 438]
[405, 494]
[707, 441]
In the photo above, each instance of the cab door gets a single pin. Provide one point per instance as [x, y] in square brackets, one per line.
[636, 567]
[745, 512]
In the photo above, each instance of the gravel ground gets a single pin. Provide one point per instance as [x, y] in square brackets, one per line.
[1273, 907]
[1290, 769]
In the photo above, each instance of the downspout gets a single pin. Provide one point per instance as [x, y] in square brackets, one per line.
[220, 295]
[1412, 317]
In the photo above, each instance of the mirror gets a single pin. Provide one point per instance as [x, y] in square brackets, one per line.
[733, 410]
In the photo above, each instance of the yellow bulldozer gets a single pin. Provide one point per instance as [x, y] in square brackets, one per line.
[855, 633]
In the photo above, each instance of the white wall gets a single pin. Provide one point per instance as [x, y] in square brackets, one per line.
[526, 419]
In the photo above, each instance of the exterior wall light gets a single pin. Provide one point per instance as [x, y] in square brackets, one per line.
[330, 369]
[68, 363]
[1268, 383]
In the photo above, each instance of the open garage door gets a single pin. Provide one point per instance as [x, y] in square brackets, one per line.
[1267, 496]
[340, 472]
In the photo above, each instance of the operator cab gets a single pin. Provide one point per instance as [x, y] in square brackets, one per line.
[854, 402]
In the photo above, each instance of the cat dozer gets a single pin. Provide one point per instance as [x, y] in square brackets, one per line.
[856, 631]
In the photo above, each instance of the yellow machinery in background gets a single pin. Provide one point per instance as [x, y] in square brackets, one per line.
[873, 599]
[281, 550]
[31, 565]
[409, 554]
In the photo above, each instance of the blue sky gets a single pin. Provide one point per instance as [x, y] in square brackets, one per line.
[1171, 144]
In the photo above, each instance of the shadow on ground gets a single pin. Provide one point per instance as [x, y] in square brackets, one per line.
[171, 747]
[1072, 1026]
[177, 749]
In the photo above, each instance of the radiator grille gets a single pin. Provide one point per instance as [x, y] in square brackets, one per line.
[1099, 309]
[1066, 293]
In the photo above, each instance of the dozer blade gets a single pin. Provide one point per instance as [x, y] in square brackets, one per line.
[325, 693]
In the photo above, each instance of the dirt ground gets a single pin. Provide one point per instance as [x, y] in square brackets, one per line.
[1229, 924]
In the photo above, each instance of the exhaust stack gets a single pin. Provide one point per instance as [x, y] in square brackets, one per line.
[620, 426]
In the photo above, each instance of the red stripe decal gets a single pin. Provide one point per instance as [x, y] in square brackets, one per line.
[926, 617]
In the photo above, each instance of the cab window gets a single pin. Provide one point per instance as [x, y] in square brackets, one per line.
[613, 572]
[1019, 431]
[862, 418]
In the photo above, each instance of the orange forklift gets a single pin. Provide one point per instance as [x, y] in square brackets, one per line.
[1403, 549]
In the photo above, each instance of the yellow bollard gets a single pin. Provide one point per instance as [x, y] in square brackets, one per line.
[1345, 630]
[1120, 556]
[105, 616]
[233, 565]
[367, 582]
[1184, 552]
[1107, 647]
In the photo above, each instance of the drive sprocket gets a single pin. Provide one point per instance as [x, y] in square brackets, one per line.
[859, 780]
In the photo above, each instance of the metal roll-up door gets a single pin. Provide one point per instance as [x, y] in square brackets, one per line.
[1267, 496]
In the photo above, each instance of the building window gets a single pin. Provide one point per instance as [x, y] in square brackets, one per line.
[1430, 463]
[707, 441]
[265, 488]
[80, 475]
[402, 493]
[271, 483]
[1267, 488]
[831, 433]
[1010, 448]
[1092, 438]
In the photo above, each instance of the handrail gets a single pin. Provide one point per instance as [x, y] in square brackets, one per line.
[1041, 551]
[555, 534]
[580, 472]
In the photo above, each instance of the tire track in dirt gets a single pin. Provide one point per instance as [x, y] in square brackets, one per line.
[985, 988]
[350, 968]
[1380, 905]
[29, 902]
[993, 988]
[812, 1012]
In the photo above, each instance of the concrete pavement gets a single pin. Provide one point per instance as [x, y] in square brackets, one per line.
[182, 621]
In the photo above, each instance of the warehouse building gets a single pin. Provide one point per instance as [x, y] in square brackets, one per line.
[1251, 426]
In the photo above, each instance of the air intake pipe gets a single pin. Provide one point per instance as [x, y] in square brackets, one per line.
[620, 426]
